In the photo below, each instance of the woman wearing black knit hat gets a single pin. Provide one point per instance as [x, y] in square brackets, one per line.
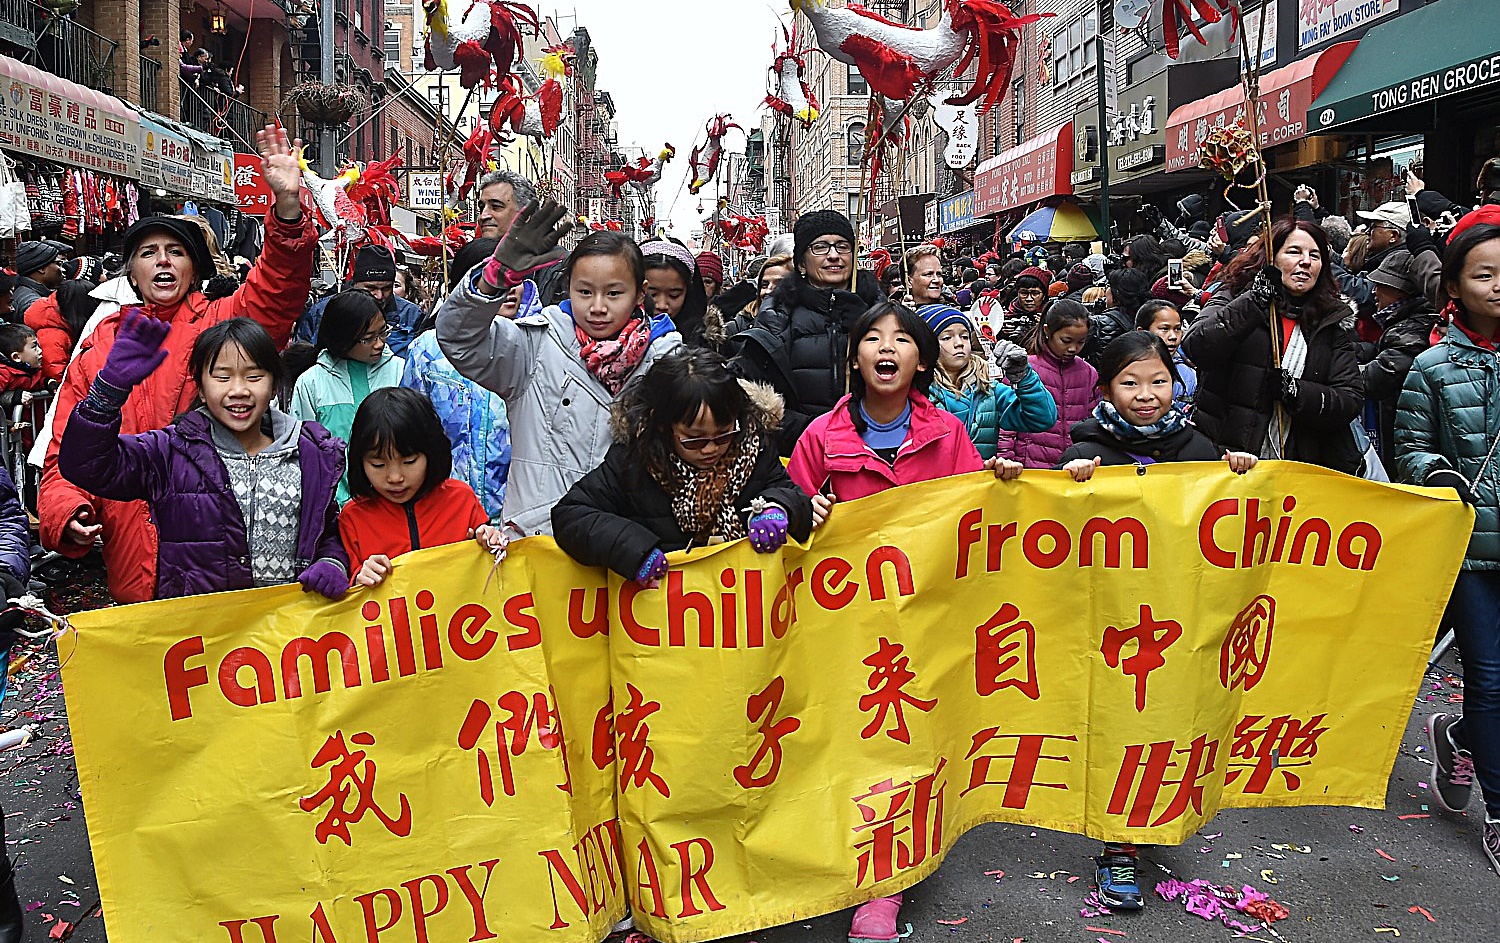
[800, 341]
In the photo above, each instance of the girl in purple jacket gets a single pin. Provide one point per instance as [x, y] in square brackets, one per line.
[241, 494]
[1070, 379]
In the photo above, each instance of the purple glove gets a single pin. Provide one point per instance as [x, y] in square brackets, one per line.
[768, 530]
[137, 350]
[653, 568]
[325, 578]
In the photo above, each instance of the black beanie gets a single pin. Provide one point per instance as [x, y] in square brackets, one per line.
[374, 264]
[819, 223]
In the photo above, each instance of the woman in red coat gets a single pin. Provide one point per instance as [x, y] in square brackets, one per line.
[165, 259]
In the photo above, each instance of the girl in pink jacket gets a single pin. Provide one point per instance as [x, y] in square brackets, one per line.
[1070, 379]
[884, 433]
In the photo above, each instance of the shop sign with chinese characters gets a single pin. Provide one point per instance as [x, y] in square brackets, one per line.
[57, 120]
[531, 749]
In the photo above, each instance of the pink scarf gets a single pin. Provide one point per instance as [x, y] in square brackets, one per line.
[611, 361]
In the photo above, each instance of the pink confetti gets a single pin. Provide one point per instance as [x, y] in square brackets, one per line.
[1414, 816]
[1414, 909]
[954, 923]
[59, 928]
[1381, 853]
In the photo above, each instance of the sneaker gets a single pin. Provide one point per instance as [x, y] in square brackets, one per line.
[1116, 880]
[1452, 768]
[1492, 843]
[875, 921]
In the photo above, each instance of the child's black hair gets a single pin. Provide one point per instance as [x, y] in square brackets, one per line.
[1061, 313]
[244, 333]
[608, 242]
[676, 387]
[13, 338]
[346, 318]
[1146, 313]
[909, 323]
[1457, 254]
[401, 421]
[695, 300]
[1130, 347]
[76, 305]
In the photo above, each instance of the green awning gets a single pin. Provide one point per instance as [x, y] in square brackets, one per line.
[1440, 50]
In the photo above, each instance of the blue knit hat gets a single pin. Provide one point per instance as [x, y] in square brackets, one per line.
[940, 316]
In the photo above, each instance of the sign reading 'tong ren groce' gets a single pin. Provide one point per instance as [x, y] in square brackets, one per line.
[528, 753]
[1463, 77]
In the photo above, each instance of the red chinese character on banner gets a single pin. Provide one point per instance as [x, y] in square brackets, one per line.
[1247, 646]
[903, 825]
[518, 715]
[1264, 749]
[1020, 777]
[91, 119]
[74, 111]
[35, 99]
[1005, 654]
[350, 768]
[604, 736]
[1151, 769]
[634, 755]
[890, 673]
[54, 106]
[1152, 638]
[762, 707]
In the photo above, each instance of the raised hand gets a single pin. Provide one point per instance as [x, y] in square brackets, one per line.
[1014, 364]
[532, 242]
[280, 167]
[137, 349]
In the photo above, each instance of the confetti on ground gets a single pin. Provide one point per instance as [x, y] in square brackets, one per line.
[1381, 852]
[1389, 877]
[1299, 849]
[1356, 829]
[1388, 930]
[954, 923]
[1269, 876]
[1414, 909]
[1413, 816]
[1223, 904]
[1105, 930]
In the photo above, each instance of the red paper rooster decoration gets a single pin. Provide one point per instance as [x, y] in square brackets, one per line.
[1177, 16]
[705, 157]
[455, 237]
[899, 61]
[889, 130]
[476, 153]
[485, 39]
[790, 93]
[745, 232]
[643, 173]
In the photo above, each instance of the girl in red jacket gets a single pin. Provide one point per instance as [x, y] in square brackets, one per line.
[884, 433]
[404, 499]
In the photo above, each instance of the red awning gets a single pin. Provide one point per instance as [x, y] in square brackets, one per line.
[1285, 96]
[1030, 171]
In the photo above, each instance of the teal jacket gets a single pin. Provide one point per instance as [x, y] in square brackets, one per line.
[1448, 417]
[331, 390]
[1026, 407]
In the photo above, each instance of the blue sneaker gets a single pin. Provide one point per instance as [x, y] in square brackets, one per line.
[1115, 877]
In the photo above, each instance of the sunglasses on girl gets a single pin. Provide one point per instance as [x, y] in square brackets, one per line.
[699, 443]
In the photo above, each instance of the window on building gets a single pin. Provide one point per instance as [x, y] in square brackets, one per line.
[857, 84]
[854, 138]
[395, 142]
[1018, 99]
[393, 46]
[1073, 49]
[438, 95]
[852, 207]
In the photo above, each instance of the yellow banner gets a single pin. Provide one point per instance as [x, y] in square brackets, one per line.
[528, 752]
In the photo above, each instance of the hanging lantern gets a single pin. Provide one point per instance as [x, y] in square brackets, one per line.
[217, 24]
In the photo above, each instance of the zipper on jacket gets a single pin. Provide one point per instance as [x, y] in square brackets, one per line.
[411, 524]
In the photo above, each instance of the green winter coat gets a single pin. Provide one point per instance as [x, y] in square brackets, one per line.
[1448, 417]
[1026, 407]
[331, 390]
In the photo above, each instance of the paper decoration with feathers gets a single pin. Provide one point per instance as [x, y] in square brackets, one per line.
[484, 40]
[880, 260]
[476, 159]
[643, 174]
[455, 237]
[899, 61]
[705, 158]
[648, 225]
[790, 93]
[375, 189]
[331, 198]
[878, 142]
[744, 232]
[613, 225]
[1177, 17]
[556, 64]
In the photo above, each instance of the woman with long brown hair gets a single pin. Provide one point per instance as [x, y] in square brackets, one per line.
[1294, 395]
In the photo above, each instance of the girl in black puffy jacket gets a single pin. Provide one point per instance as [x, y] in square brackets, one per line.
[693, 463]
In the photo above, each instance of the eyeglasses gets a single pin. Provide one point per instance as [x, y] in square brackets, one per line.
[821, 249]
[699, 443]
[374, 336]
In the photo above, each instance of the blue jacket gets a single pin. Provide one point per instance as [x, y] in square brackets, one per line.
[403, 323]
[474, 418]
[1027, 407]
[1446, 418]
[1187, 384]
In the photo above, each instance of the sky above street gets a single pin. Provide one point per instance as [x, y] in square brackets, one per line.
[670, 65]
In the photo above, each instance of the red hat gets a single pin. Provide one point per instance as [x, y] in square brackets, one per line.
[1040, 274]
[1488, 215]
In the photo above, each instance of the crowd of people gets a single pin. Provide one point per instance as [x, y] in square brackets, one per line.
[215, 430]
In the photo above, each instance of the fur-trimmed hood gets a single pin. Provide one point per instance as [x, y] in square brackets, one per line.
[767, 403]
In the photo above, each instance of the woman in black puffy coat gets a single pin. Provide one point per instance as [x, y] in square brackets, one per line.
[1300, 410]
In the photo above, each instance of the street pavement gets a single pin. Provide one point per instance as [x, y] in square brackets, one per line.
[1344, 874]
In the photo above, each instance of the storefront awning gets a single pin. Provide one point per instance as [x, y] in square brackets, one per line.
[1285, 95]
[1440, 50]
[1031, 171]
[57, 120]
